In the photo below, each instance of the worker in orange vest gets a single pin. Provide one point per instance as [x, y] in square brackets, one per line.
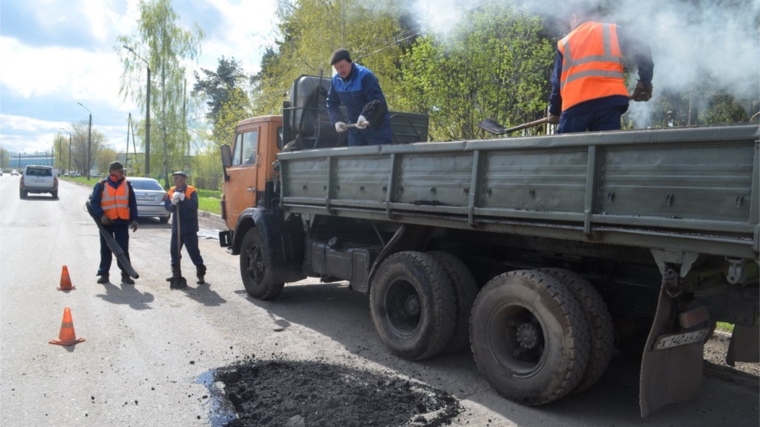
[113, 201]
[588, 86]
[183, 199]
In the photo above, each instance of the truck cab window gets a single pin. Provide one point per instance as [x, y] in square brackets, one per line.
[250, 141]
[236, 154]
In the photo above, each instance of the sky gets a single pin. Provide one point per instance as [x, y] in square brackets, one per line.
[58, 53]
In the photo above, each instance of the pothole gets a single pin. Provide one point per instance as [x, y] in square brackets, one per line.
[305, 394]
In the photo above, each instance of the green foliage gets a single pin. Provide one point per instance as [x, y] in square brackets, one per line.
[496, 65]
[162, 45]
[310, 30]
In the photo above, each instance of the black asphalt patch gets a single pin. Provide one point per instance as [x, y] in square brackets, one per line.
[305, 394]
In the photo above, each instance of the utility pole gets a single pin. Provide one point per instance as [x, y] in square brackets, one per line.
[147, 113]
[89, 142]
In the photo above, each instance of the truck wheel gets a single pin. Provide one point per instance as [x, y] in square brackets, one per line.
[601, 332]
[255, 268]
[529, 337]
[465, 292]
[413, 305]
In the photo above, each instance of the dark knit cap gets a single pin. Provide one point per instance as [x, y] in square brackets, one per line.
[340, 54]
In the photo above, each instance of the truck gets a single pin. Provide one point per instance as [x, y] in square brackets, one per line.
[541, 254]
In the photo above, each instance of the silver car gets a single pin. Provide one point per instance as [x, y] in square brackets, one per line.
[150, 198]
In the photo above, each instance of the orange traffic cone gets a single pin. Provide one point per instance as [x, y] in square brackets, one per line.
[65, 280]
[67, 335]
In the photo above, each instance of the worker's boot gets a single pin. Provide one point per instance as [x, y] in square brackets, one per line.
[125, 279]
[201, 273]
[175, 273]
[103, 278]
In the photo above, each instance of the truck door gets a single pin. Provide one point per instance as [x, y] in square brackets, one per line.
[240, 190]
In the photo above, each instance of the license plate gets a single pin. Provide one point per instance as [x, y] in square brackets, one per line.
[675, 340]
[144, 198]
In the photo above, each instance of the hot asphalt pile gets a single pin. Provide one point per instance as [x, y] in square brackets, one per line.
[304, 394]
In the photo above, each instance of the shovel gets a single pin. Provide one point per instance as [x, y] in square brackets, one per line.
[493, 127]
[111, 242]
[177, 281]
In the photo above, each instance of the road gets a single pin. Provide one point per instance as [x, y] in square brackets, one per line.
[149, 350]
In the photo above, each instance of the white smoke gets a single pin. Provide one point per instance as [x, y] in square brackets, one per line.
[690, 40]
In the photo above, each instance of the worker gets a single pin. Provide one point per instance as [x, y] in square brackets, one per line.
[182, 199]
[355, 87]
[113, 201]
[588, 86]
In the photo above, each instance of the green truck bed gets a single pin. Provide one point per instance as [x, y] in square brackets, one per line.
[691, 190]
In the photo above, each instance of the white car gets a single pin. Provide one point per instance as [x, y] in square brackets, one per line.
[38, 179]
[150, 198]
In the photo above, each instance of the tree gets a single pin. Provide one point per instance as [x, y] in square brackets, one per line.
[164, 45]
[105, 157]
[496, 64]
[310, 30]
[226, 98]
[79, 146]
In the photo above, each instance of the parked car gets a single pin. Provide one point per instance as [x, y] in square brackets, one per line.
[1, 172]
[14, 172]
[150, 198]
[38, 179]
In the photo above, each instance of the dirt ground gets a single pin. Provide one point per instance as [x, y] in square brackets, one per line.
[747, 374]
[304, 394]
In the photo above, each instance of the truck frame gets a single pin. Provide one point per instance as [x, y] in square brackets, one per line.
[540, 253]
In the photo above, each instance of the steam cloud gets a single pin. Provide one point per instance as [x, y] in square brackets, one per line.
[690, 40]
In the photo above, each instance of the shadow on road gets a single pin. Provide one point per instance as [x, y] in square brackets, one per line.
[205, 295]
[126, 294]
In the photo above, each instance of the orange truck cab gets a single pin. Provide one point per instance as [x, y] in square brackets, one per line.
[250, 175]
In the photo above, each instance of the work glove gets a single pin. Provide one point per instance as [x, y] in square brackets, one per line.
[181, 196]
[133, 226]
[642, 92]
[554, 120]
[175, 198]
[340, 127]
[105, 220]
[362, 123]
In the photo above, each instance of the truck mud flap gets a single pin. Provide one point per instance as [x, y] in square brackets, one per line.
[671, 366]
[744, 345]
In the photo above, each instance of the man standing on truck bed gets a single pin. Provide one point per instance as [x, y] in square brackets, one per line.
[588, 87]
[358, 90]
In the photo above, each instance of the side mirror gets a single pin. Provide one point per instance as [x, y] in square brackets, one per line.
[226, 160]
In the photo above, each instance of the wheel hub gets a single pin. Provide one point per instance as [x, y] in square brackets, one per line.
[412, 306]
[527, 336]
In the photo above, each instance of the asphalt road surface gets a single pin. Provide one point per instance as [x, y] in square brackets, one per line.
[150, 351]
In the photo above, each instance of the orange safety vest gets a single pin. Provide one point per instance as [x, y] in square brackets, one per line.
[188, 191]
[115, 201]
[592, 65]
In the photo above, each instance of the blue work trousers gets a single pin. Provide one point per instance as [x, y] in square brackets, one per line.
[121, 234]
[190, 242]
[597, 120]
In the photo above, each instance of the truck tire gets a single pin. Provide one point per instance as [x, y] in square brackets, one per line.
[465, 292]
[413, 305]
[255, 268]
[529, 337]
[601, 331]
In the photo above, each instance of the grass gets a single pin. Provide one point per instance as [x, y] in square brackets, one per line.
[725, 327]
